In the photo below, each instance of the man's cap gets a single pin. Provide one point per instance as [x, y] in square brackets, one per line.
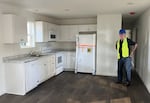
[122, 31]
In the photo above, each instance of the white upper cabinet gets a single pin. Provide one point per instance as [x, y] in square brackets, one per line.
[73, 32]
[52, 27]
[57, 32]
[14, 28]
[41, 31]
[83, 28]
[64, 33]
[53, 30]
[44, 30]
[68, 32]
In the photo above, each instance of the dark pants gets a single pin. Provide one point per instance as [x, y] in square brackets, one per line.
[124, 63]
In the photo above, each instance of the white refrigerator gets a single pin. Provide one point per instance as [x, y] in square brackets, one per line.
[85, 52]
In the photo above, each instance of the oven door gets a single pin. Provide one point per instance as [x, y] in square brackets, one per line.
[59, 60]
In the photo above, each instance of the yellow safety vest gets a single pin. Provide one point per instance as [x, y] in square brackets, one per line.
[125, 48]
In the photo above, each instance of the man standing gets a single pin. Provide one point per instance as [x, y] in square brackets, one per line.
[125, 53]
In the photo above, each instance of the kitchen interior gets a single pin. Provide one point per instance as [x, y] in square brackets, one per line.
[40, 43]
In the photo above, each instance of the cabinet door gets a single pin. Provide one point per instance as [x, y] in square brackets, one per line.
[73, 57]
[42, 33]
[51, 27]
[31, 76]
[68, 32]
[52, 66]
[15, 78]
[65, 60]
[39, 31]
[20, 29]
[69, 61]
[45, 32]
[54, 29]
[64, 30]
[83, 28]
[73, 30]
[57, 32]
[43, 69]
[14, 28]
[92, 27]
[68, 58]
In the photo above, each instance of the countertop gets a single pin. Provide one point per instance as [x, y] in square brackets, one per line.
[24, 58]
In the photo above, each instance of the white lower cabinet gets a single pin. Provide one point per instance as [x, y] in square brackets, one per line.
[43, 69]
[31, 75]
[69, 61]
[47, 67]
[52, 66]
[23, 77]
[15, 78]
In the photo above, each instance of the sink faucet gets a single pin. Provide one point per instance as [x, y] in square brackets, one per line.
[31, 52]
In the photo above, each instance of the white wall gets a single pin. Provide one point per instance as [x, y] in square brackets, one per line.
[143, 50]
[1, 66]
[107, 35]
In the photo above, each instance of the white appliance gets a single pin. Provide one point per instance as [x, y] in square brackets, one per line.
[52, 36]
[85, 52]
[59, 62]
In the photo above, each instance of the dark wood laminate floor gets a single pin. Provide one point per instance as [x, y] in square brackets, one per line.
[83, 88]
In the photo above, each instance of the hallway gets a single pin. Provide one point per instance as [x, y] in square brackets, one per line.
[83, 88]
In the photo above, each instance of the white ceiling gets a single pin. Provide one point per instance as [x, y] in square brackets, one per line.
[80, 8]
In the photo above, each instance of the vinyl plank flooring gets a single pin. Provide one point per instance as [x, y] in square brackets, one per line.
[83, 88]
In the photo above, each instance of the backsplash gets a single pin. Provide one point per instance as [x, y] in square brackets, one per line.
[16, 50]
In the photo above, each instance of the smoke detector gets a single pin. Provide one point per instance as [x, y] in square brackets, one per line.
[132, 13]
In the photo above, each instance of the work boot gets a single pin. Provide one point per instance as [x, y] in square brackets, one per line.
[118, 82]
[127, 84]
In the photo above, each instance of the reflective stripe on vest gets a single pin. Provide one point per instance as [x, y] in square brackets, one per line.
[125, 48]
